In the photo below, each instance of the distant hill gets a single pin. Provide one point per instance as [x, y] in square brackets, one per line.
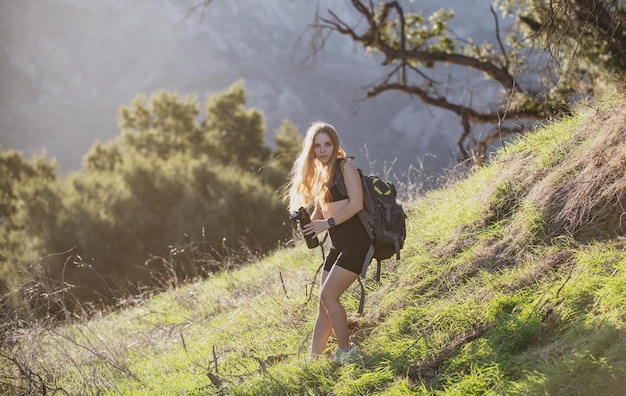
[66, 66]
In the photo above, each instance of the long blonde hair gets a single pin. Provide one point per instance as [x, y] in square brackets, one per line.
[309, 177]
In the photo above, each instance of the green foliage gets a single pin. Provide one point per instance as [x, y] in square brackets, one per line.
[587, 39]
[102, 158]
[172, 198]
[163, 126]
[14, 171]
[27, 187]
[237, 134]
[118, 221]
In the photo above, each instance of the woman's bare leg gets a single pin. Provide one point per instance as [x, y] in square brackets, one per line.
[323, 327]
[337, 281]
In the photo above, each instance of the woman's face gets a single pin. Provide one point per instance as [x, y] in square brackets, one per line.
[323, 147]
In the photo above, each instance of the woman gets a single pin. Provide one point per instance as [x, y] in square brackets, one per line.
[309, 185]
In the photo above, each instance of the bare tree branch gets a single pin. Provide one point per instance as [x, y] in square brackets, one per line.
[407, 57]
[505, 56]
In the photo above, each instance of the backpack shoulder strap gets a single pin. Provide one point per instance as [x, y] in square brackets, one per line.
[338, 176]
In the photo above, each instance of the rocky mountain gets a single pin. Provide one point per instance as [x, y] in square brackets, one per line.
[67, 65]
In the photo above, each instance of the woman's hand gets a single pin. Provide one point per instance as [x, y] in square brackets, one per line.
[315, 227]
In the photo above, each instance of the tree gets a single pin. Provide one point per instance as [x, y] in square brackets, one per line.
[102, 157]
[586, 37]
[238, 134]
[149, 208]
[27, 186]
[15, 171]
[170, 196]
[163, 125]
[29, 203]
[166, 124]
[585, 40]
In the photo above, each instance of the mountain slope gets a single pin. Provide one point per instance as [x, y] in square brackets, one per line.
[513, 281]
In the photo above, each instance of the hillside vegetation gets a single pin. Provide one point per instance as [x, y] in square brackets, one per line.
[512, 281]
[170, 199]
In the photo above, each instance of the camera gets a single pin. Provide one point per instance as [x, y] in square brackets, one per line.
[302, 217]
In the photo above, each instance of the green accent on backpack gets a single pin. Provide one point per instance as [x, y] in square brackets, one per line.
[376, 182]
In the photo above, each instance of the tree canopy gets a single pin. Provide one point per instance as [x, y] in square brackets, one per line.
[175, 196]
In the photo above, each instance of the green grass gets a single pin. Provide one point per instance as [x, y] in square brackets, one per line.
[485, 301]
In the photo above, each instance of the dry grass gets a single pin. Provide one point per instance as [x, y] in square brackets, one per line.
[582, 195]
[591, 203]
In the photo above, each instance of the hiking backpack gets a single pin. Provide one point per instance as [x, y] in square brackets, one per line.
[383, 218]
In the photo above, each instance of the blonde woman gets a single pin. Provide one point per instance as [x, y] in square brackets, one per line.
[309, 186]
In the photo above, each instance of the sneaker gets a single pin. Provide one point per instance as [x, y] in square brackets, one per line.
[346, 357]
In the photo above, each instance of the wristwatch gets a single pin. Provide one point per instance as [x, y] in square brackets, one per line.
[331, 222]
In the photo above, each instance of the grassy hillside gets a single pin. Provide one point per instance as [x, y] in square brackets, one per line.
[513, 281]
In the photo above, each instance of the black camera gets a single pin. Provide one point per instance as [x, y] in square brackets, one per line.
[302, 217]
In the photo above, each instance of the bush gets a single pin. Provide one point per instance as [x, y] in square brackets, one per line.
[124, 229]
